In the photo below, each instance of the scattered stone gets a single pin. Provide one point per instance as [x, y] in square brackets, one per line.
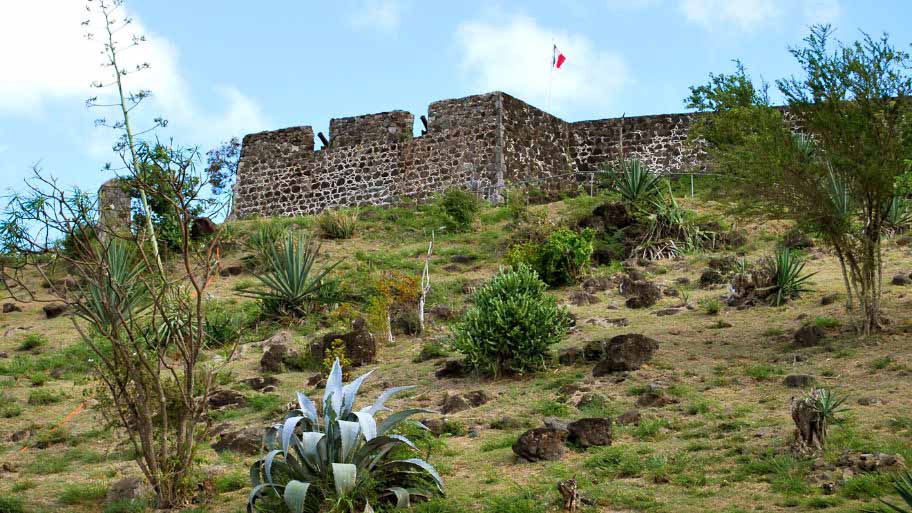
[11, 307]
[226, 399]
[442, 313]
[316, 380]
[274, 356]
[202, 227]
[544, 443]
[654, 397]
[359, 343]
[809, 336]
[683, 280]
[711, 277]
[607, 322]
[669, 292]
[463, 259]
[582, 298]
[55, 310]
[507, 423]
[625, 353]
[21, 436]
[259, 383]
[232, 270]
[128, 489]
[454, 401]
[590, 432]
[451, 268]
[667, 311]
[595, 284]
[829, 299]
[593, 399]
[473, 432]
[570, 356]
[640, 293]
[452, 369]
[629, 418]
[871, 462]
[870, 401]
[798, 380]
[405, 321]
[244, 441]
[901, 279]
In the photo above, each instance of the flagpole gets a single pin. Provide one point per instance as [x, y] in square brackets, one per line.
[551, 74]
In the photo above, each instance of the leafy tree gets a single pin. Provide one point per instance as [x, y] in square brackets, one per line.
[830, 158]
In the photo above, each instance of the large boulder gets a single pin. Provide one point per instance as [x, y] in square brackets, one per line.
[273, 359]
[454, 401]
[53, 310]
[809, 336]
[226, 399]
[640, 293]
[360, 346]
[798, 380]
[128, 489]
[451, 369]
[202, 227]
[243, 441]
[902, 280]
[625, 353]
[260, 383]
[590, 432]
[11, 307]
[544, 443]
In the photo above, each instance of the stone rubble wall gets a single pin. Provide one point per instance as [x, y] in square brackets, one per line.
[481, 143]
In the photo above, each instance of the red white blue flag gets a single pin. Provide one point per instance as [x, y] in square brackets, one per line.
[557, 59]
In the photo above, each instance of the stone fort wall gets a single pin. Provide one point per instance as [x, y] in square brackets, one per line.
[482, 143]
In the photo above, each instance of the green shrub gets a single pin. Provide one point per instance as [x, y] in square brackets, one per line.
[32, 341]
[43, 397]
[711, 306]
[223, 324]
[126, 506]
[560, 259]
[337, 224]
[512, 325]
[458, 208]
[11, 505]
[345, 460]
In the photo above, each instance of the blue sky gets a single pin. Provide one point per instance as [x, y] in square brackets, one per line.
[231, 67]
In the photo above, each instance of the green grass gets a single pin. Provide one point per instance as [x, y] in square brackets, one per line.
[881, 363]
[616, 461]
[43, 397]
[82, 493]
[826, 322]
[12, 505]
[499, 442]
[762, 372]
[32, 341]
[231, 481]
[551, 408]
[267, 404]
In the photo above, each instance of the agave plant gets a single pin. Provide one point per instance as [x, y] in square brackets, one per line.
[341, 461]
[670, 231]
[898, 216]
[902, 483]
[637, 183]
[289, 287]
[786, 271]
[110, 302]
[337, 224]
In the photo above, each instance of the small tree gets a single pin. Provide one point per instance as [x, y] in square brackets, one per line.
[143, 321]
[830, 159]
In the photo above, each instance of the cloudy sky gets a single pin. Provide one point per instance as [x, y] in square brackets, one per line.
[231, 67]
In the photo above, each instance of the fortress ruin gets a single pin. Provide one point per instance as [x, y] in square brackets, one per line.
[482, 143]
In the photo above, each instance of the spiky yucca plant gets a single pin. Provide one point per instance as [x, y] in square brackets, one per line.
[789, 279]
[902, 484]
[289, 288]
[110, 302]
[637, 184]
[898, 214]
[338, 224]
[342, 461]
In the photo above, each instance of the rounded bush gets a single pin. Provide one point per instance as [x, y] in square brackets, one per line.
[512, 325]
[560, 259]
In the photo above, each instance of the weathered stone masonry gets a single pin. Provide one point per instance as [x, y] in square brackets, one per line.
[481, 143]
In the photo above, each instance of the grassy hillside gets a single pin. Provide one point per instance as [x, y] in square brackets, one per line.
[719, 444]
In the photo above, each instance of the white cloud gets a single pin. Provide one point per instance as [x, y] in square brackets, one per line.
[378, 14]
[514, 55]
[750, 14]
[53, 60]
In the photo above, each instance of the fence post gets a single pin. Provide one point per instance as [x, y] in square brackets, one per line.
[691, 185]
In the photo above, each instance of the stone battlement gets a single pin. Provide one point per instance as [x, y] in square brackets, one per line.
[481, 143]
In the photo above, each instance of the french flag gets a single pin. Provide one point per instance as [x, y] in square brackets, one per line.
[557, 59]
